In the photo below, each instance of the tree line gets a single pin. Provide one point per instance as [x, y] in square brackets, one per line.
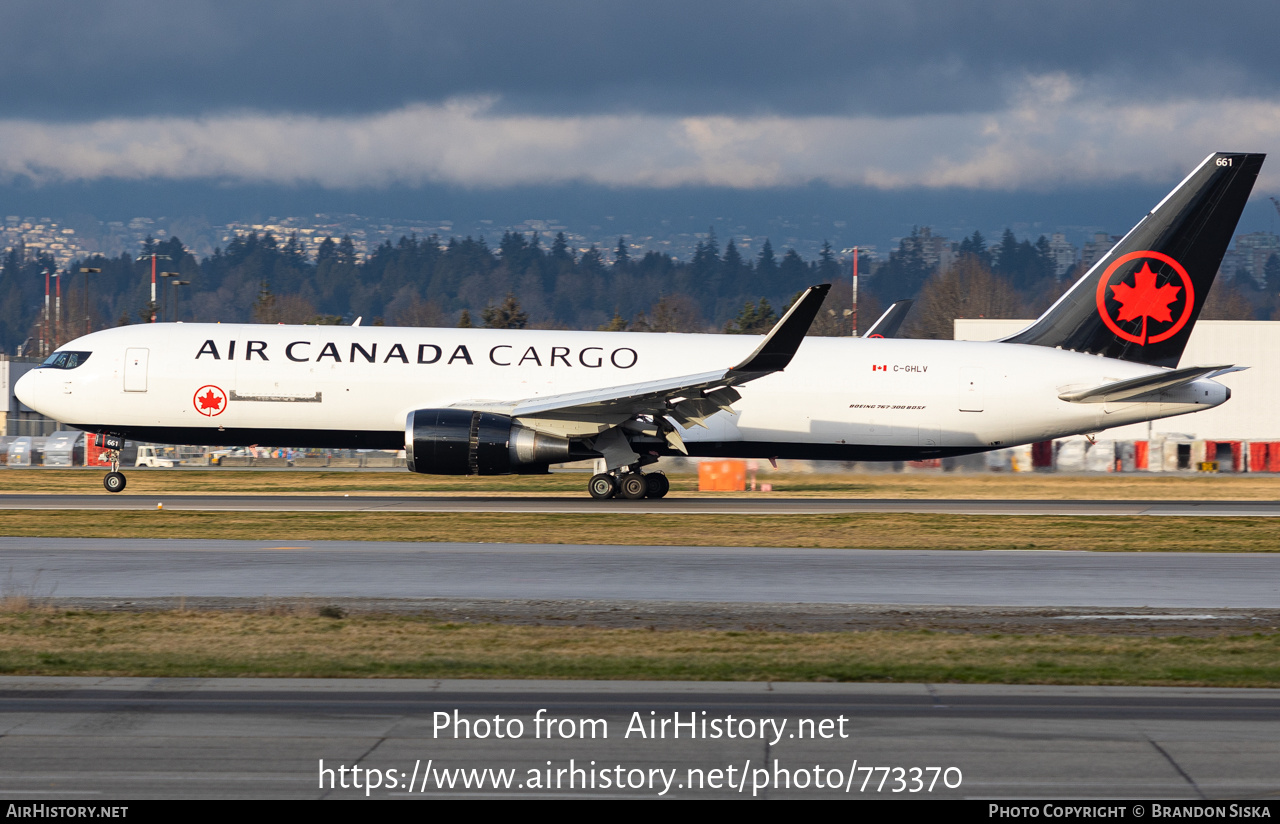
[523, 283]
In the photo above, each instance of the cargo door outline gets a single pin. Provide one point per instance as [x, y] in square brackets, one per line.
[971, 389]
[135, 370]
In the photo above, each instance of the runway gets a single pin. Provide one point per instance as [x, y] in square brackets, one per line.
[136, 738]
[140, 568]
[758, 505]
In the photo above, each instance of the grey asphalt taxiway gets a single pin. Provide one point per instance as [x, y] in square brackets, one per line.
[101, 739]
[757, 505]
[140, 568]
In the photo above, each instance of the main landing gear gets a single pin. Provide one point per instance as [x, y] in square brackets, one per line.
[630, 485]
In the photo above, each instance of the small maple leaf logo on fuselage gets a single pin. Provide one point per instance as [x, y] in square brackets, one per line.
[210, 400]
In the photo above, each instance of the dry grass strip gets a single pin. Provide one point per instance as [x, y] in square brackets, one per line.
[865, 531]
[306, 644]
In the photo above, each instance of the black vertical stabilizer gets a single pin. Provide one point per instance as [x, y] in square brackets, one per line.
[1139, 302]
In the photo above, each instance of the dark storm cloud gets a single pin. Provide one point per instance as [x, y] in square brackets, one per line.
[78, 61]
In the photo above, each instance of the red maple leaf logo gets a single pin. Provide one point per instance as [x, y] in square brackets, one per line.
[1144, 299]
[210, 401]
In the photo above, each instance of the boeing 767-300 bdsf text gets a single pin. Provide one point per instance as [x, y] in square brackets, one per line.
[492, 401]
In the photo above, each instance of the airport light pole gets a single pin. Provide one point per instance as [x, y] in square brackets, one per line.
[855, 291]
[57, 310]
[44, 323]
[176, 284]
[164, 303]
[153, 256]
[86, 271]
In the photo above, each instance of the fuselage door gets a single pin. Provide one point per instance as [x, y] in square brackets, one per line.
[971, 389]
[135, 370]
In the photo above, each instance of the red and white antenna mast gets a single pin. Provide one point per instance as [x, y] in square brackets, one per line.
[854, 316]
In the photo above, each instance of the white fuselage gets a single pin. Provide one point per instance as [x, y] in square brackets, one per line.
[221, 384]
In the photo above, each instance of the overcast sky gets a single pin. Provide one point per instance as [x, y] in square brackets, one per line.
[1005, 96]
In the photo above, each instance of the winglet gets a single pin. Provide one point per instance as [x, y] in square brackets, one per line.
[784, 339]
[890, 321]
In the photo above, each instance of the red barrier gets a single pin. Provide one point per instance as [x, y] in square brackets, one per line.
[94, 455]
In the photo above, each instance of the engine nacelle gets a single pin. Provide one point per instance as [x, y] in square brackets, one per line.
[461, 442]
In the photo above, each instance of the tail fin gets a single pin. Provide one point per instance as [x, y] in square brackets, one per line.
[1139, 302]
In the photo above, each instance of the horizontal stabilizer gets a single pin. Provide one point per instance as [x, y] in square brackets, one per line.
[1146, 384]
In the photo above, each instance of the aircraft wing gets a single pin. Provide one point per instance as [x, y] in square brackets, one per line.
[1146, 384]
[687, 398]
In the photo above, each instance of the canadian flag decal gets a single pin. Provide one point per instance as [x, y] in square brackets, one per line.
[875, 368]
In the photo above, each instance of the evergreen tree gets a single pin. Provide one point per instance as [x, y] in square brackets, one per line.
[346, 251]
[976, 245]
[561, 255]
[617, 324]
[828, 266]
[507, 316]
[464, 320]
[766, 279]
[621, 257]
[736, 273]
[592, 263]
[754, 319]
[904, 274]
[328, 251]
[1005, 258]
[706, 264]
[793, 271]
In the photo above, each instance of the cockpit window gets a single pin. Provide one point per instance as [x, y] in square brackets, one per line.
[64, 360]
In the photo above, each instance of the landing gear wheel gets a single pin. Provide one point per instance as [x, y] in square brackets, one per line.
[114, 481]
[602, 486]
[656, 485]
[633, 486]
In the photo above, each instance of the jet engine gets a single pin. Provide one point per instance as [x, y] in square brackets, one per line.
[461, 442]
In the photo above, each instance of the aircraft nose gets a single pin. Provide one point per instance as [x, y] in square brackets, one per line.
[25, 389]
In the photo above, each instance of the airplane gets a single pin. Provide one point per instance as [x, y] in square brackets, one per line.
[496, 401]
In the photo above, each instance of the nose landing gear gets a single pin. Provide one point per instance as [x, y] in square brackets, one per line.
[632, 486]
[114, 480]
